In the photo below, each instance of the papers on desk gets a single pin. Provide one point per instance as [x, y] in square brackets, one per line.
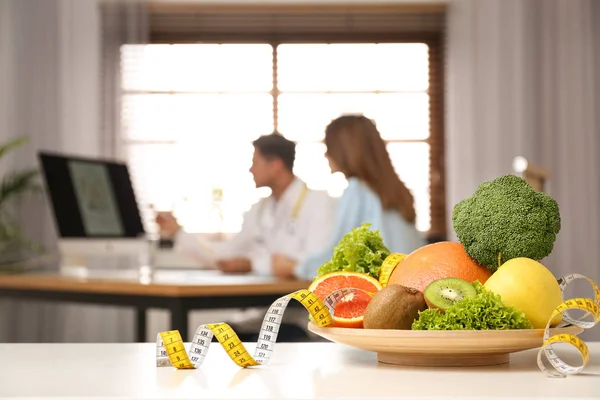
[169, 258]
[208, 253]
[189, 251]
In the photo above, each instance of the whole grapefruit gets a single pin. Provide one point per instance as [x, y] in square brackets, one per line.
[436, 261]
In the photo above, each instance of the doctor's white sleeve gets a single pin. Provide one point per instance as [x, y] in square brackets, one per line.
[239, 245]
[260, 258]
[192, 245]
[244, 245]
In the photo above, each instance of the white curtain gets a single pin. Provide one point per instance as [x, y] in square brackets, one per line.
[52, 91]
[31, 81]
[123, 22]
[524, 80]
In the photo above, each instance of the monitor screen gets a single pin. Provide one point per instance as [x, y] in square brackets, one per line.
[91, 198]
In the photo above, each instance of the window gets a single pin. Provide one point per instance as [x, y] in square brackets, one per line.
[191, 111]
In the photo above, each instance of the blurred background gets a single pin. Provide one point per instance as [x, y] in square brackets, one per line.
[179, 89]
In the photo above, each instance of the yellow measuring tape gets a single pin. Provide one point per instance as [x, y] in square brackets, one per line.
[388, 266]
[591, 307]
[170, 349]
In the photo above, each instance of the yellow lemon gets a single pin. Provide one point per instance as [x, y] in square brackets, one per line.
[528, 286]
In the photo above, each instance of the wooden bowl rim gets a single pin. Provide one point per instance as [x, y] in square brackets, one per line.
[463, 334]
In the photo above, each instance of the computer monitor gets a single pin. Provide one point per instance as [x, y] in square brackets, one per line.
[94, 205]
[91, 198]
[96, 211]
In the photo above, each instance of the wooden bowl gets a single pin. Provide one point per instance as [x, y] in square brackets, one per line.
[439, 348]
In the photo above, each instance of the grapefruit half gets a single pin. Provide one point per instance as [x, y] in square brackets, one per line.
[350, 310]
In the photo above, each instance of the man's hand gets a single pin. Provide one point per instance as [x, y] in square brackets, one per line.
[282, 266]
[168, 224]
[235, 265]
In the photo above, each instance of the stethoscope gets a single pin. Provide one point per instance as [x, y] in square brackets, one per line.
[292, 223]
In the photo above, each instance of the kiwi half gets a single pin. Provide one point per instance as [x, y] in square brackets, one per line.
[394, 307]
[443, 293]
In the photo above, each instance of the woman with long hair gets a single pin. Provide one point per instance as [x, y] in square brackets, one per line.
[375, 195]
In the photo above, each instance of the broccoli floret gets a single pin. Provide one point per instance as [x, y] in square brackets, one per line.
[506, 218]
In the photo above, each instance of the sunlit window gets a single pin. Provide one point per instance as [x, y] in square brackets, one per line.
[191, 111]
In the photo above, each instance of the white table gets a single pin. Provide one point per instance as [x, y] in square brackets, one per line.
[307, 370]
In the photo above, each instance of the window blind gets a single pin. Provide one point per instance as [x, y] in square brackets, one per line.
[192, 22]
[280, 25]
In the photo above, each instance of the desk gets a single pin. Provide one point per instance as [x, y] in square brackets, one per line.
[305, 370]
[179, 291]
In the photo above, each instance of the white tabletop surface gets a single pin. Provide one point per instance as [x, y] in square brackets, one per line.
[307, 370]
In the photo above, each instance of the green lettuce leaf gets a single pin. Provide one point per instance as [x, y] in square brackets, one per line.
[360, 250]
[483, 312]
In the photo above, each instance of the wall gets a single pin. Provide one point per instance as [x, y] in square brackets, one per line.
[50, 79]
[523, 80]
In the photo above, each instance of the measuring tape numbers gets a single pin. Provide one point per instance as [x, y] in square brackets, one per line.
[591, 307]
[170, 349]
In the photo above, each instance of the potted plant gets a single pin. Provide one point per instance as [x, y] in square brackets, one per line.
[17, 251]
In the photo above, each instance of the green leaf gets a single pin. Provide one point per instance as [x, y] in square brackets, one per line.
[12, 144]
[15, 184]
[360, 250]
[16, 249]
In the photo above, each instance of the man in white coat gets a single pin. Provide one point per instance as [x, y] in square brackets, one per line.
[294, 221]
